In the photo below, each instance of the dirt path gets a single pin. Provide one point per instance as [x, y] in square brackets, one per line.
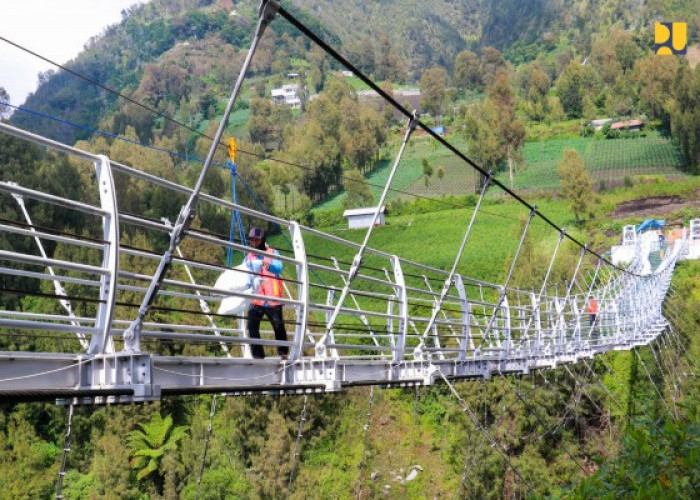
[654, 206]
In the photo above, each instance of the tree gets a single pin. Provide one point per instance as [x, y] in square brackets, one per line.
[4, 98]
[492, 64]
[433, 83]
[388, 65]
[362, 53]
[685, 115]
[654, 96]
[150, 445]
[388, 110]
[538, 85]
[467, 73]
[510, 130]
[576, 183]
[357, 191]
[267, 122]
[574, 82]
[427, 171]
[481, 136]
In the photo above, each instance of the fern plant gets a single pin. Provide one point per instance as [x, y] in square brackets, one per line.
[150, 444]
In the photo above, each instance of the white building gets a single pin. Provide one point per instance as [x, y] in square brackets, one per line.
[287, 94]
[362, 217]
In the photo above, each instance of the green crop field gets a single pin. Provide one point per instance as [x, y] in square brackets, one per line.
[607, 160]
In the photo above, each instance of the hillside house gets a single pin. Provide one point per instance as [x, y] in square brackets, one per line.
[287, 94]
[362, 217]
[628, 125]
[599, 124]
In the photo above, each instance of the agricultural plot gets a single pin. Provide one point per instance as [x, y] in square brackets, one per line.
[607, 160]
[458, 179]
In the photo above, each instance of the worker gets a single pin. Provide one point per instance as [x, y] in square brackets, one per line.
[592, 311]
[267, 271]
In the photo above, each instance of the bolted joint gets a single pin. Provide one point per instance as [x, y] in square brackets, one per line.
[418, 352]
[132, 336]
[413, 121]
[320, 350]
[266, 12]
[355, 267]
[19, 198]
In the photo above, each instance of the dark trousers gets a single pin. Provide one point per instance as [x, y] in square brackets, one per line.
[592, 323]
[274, 314]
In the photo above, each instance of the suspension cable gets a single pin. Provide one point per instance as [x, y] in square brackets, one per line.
[363, 461]
[212, 411]
[297, 445]
[64, 456]
[395, 104]
[482, 430]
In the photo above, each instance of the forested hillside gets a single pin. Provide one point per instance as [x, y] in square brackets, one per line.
[515, 84]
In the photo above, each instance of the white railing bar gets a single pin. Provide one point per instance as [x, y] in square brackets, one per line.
[61, 264]
[48, 277]
[37, 325]
[54, 237]
[48, 317]
[54, 200]
[37, 139]
[203, 196]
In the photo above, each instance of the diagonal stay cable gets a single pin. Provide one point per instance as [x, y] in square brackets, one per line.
[357, 260]
[531, 409]
[187, 212]
[482, 430]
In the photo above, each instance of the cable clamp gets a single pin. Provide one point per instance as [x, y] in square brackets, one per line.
[267, 12]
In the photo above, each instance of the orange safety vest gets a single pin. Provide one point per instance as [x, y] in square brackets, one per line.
[270, 284]
[592, 307]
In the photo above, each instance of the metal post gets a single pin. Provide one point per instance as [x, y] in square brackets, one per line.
[466, 341]
[403, 309]
[448, 281]
[504, 288]
[102, 342]
[357, 261]
[303, 290]
[132, 335]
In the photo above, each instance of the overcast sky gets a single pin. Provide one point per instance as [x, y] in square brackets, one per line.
[55, 29]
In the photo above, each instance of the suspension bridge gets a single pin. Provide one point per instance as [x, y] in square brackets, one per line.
[132, 324]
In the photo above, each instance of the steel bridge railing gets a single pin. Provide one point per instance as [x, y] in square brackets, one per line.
[76, 293]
